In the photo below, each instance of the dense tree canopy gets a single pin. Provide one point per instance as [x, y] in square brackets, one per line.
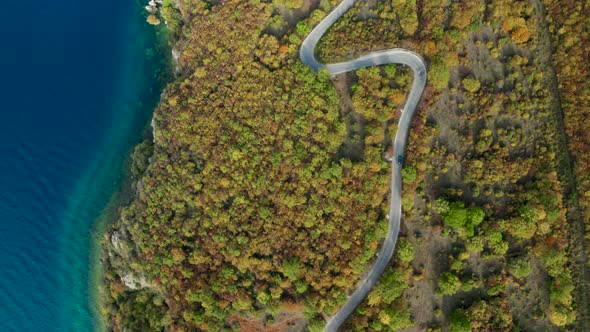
[264, 193]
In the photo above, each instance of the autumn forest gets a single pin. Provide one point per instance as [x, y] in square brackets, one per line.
[261, 194]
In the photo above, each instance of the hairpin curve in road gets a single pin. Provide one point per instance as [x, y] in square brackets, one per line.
[396, 56]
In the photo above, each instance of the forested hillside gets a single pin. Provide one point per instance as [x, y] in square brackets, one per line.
[262, 197]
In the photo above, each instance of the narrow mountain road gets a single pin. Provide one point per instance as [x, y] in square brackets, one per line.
[397, 56]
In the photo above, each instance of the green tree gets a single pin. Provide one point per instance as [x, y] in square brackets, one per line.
[520, 267]
[456, 217]
[459, 322]
[263, 297]
[405, 251]
[439, 75]
[242, 303]
[292, 267]
[471, 84]
[409, 174]
[524, 225]
[390, 287]
[316, 325]
[464, 219]
[441, 206]
[448, 283]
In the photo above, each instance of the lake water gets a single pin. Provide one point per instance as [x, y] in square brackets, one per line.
[79, 82]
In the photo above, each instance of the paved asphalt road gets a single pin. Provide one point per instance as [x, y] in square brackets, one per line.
[398, 56]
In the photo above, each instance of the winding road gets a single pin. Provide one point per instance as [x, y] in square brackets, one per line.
[397, 56]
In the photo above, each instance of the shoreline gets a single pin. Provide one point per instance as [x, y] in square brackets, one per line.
[120, 198]
[126, 191]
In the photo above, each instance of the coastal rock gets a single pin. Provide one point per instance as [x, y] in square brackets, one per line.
[151, 9]
[152, 3]
[119, 244]
[176, 59]
[139, 188]
[134, 282]
[115, 240]
[175, 54]
[153, 20]
[154, 131]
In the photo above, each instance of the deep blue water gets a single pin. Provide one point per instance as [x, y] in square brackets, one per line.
[77, 86]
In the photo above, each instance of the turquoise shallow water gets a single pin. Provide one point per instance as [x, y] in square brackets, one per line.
[79, 82]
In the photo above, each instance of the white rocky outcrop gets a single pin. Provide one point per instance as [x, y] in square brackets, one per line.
[120, 246]
[116, 240]
[134, 282]
[175, 54]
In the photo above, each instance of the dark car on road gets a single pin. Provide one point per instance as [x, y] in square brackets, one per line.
[400, 159]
